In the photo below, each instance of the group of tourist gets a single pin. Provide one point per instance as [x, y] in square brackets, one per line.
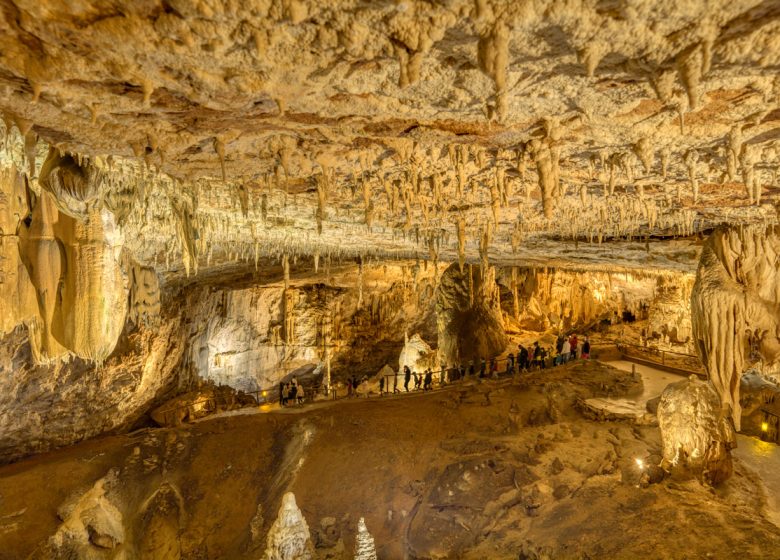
[528, 358]
[419, 381]
[566, 349]
[290, 393]
[535, 357]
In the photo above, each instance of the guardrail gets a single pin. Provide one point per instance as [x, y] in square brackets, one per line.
[666, 358]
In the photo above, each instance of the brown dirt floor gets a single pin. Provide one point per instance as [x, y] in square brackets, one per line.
[494, 469]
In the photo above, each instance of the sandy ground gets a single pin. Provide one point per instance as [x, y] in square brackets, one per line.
[498, 469]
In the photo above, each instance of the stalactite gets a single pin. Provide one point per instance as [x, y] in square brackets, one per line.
[546, 154]
[734, 150]
[493, 58]
[748, 160]
[665, 155]
[286, 271]
[461, 232]
[219, 148]
[689, 68]
[691, 160]
[644, 151]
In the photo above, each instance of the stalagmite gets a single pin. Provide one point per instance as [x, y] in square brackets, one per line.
[364, 543]
[289, 537]
[697, 436]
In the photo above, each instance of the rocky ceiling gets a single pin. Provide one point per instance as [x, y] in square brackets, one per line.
[221, 133]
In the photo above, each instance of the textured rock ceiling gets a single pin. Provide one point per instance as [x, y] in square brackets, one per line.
[491, 129]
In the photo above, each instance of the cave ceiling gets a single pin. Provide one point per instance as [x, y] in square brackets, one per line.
[581, 133]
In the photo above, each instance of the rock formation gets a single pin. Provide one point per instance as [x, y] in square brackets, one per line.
[364, 543]
[734, 307]
[696, 431]
[468, 315]
[289, 537]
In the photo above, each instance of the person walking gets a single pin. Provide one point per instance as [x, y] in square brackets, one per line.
[381, 385]
[586, 349]
[482, 368]
[573, 345]
[522, 358]
[428, 380]
[395, 384]
[537, 355]
[565, 351]
[407, 377]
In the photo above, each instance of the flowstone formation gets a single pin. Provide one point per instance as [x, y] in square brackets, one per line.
[468, 315]
[735, 308]
[696, 432]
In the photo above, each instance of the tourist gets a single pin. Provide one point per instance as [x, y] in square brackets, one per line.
[559, 344]
[292, 392]
[299, 393]
[522, 358]
[565, 351]
[586, 349]
[381, 385]
[493, 368]
[482, 368]
[510, 364]
[395, 384]
[471, 367]
[573, 345]
[428, 380]
[407, 377]
[537, 355]
[462, 371]
[418, 379]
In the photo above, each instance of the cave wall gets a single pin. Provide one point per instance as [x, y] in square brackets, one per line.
[251, 338]
[538, 299]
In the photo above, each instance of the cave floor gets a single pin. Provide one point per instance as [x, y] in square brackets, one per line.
[497, 469]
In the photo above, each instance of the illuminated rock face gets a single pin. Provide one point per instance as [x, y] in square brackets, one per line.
[697, 432]
[417, 355]
[735, 313]
[468, 315]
